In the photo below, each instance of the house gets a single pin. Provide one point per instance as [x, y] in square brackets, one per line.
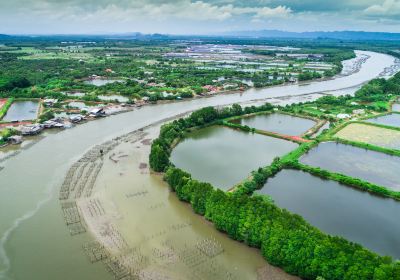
[210, 88]
[76, 118]
[97, 112]
[31, 129]
[52, 124]
[230, 86]
[166, 94]
[343, 116]
[15, 139]
[315, 56]
[359, 112]
[50, 102]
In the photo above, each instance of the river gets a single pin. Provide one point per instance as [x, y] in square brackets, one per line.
[34, 241]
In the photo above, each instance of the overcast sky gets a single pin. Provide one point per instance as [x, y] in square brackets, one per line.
[195, 17]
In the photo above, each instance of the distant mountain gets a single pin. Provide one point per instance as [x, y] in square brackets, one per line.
[252, 34]
[339, 35]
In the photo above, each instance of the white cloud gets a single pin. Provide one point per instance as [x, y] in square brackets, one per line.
[155, 10]
[280, 11]
[387, 8]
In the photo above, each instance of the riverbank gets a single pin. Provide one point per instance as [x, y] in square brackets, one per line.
[26, 217]
[233, 213]
[356, 66]
[170, 241]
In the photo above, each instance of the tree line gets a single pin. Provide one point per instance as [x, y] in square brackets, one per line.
[285, 239]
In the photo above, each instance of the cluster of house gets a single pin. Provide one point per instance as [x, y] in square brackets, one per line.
[356, 112]
[301, 55]
[211, 89]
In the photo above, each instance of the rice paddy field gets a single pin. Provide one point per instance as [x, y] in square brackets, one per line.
[369, 134]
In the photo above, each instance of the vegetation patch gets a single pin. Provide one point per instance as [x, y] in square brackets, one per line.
[285, 239]
[374, 135]
[5, 107]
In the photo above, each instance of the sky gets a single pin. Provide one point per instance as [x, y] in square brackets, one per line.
[195, 17]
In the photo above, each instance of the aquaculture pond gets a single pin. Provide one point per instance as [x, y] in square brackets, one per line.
[374, 135]
[75, 94]
[82, 105]
[102, 82]
[396, 107]
[371, 166]
[36, 244]
[339, 210]
[22, 110]
[279, 123]
[391, 120]
[114, 97]
[224, 157]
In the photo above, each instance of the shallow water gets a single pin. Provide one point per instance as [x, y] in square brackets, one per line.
[101, 82]
[159, 229]
[77, 104]
[378, 136]
[339, 210]
[35, 175]
[119, 98]
[396, 107]
[75, 94]
[22, 110]
[391, 120]
[224, 157]
[279, 123]
[374, 167]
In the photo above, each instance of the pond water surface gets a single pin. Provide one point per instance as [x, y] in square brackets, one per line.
[371, 166]
[279, 123]
[225, 157]
[396, 107]
[75, 94]
[101, 82]
[22, 110]
[378, 136]
[339, 210]
[114, 97]
[35, 243]
[391, 120]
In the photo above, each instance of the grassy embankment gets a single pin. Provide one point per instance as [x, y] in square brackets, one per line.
[285, 239]
[6, 106]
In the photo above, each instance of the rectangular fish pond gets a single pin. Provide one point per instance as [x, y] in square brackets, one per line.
[225, 157]
[371, 166]
[22, 110]
[387, 138]
[339, 210]
[390, 120]
[102, 82]
[278, 123]
[113, 97]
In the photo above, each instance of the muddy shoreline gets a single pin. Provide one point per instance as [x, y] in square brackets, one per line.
[89, 208]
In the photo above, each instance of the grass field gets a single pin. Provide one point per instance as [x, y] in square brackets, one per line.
[378, 136]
